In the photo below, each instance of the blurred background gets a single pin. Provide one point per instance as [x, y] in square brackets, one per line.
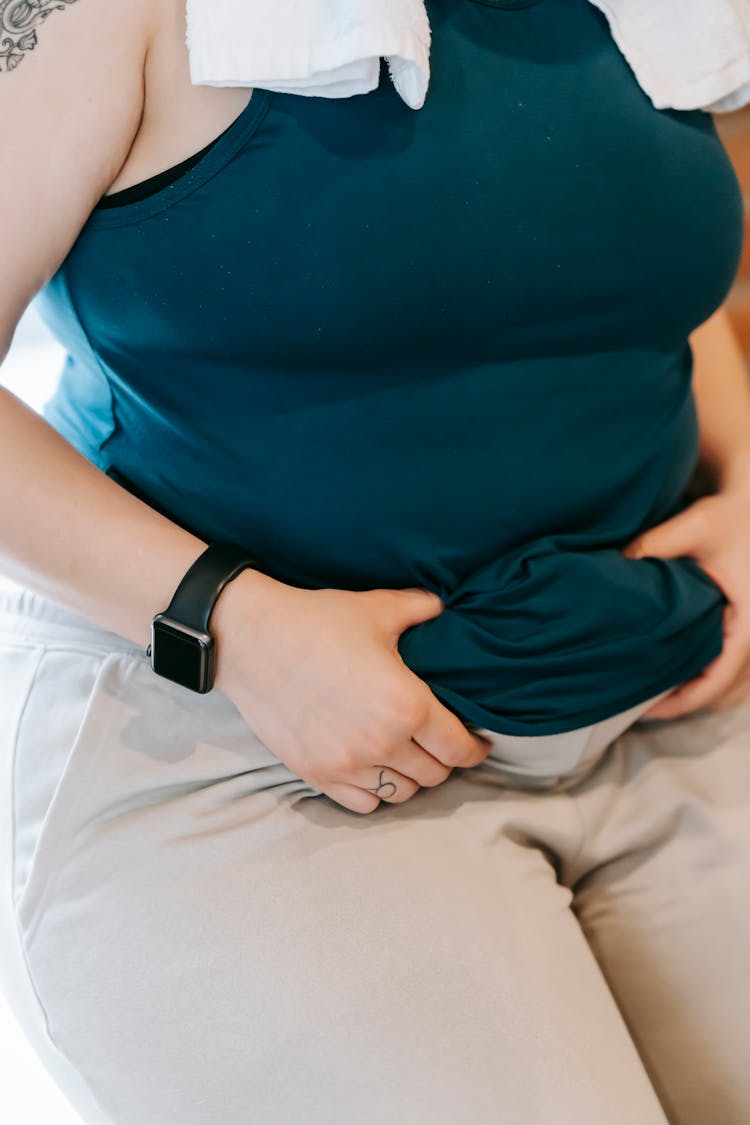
[734, 129]
[28, 1095]
[31, 369]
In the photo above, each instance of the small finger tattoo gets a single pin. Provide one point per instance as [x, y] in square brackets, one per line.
[19, 20]
[378, 790]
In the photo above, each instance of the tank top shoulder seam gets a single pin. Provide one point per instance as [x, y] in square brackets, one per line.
[218, 156]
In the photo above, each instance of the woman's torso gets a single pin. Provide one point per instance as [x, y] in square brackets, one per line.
[444, 347]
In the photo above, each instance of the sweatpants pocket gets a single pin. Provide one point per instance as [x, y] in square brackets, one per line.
[18, 667]
[56, 737]
[107, 749]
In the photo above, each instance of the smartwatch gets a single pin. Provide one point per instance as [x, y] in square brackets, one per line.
[182, 649]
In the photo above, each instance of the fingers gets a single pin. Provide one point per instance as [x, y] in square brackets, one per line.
[440, 743]
[389, 785]
[414, 762]
[383, 783]
[380, 783]
[717, 678]
[444, 736]
[350, 796]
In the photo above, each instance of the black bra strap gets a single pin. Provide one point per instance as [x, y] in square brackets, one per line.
[155, 183]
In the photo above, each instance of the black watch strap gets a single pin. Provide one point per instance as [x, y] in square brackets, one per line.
[196, 595]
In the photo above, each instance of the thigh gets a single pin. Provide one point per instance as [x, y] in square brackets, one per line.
[661, 889]
[211, 939]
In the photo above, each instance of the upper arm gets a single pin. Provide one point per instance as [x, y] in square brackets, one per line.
[71, 102]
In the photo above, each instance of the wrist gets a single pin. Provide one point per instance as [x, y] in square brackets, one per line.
[239, 616]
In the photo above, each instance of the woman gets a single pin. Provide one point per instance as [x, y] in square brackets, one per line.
[434, 373]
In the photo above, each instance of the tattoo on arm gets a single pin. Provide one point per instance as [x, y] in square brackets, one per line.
[19, 20]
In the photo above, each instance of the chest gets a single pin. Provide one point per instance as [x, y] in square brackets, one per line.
[538, 204]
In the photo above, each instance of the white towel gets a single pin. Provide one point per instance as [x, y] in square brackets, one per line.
[686, 54]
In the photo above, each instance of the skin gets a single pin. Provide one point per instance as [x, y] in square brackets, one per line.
[715, 529]
[20, 23]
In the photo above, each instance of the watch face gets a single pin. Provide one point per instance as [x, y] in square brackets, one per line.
[181, 655]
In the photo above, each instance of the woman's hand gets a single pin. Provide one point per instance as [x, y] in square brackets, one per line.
[715, 531]
[318, 677]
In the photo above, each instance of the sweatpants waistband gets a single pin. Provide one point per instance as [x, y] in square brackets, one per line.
[25, 614]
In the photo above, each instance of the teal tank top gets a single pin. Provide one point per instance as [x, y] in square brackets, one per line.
[443, 348]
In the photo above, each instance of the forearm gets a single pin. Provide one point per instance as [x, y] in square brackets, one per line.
[72, 534]
[721, 384]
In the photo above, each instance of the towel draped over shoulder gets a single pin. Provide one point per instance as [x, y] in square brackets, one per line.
[686, 54]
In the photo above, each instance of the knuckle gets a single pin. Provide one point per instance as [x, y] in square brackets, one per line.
[478, 757]
[431, 772]
[345, 761]
[434, 780]
[404, 792]
[384, 750]
[468, 756]
[452, 757]
[407, 711]
[440, 776]
[479, 752]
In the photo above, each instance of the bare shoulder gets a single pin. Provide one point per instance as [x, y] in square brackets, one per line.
[25, 24]
[71, 104]
[21, 23]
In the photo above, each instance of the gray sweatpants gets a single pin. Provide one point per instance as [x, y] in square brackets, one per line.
[191, 935]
